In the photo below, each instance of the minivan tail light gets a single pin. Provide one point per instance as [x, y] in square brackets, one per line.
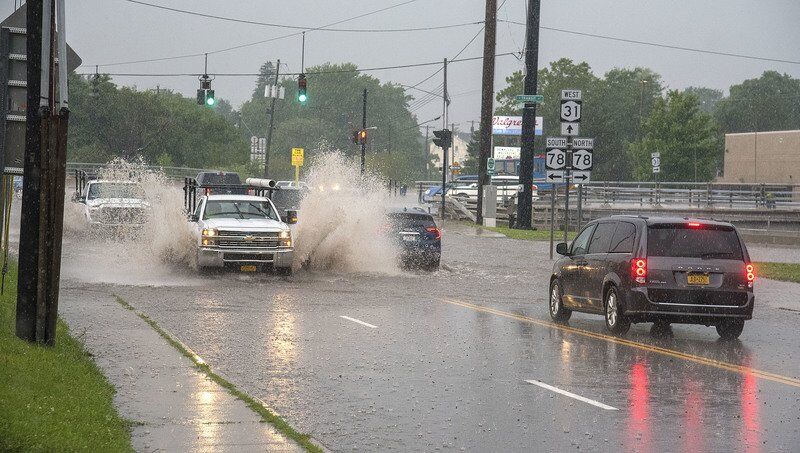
[694, 225]
[750, 274]
[435, 231]
[639, 270]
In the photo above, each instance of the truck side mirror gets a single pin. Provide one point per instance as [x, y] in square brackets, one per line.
[561, 249]
[194, 218]
[291, 217]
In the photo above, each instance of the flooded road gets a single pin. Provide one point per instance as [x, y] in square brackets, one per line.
[466, 358]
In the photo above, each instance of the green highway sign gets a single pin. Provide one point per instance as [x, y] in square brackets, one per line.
[490, 166]
[530, 98]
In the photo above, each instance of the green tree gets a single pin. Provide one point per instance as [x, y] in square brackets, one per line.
[330, 116]
[157, 126]
[768, 103]
[708, 97]
[470, 164]
[686, 137]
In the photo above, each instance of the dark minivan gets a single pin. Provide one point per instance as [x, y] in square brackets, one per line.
[661, 270]
[419, 239]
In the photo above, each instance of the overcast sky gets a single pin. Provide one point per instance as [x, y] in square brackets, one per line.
[109, 31]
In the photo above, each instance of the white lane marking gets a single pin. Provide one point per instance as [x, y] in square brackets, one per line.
[571, 395]
[358, 321]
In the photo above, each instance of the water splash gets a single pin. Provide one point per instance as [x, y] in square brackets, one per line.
[343, 218]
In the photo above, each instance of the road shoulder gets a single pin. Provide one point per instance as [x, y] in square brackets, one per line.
[174, 406]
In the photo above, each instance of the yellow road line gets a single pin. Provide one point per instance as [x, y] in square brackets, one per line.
[645, 347]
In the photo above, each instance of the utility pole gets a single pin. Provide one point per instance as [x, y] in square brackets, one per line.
[524, 205]
[487, 97]
[426, 152]
[271, 120]
[363, 128]
[452, 151]
[44, 173]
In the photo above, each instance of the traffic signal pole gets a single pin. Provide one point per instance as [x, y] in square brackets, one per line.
[525, 202]
[271, 121]
[487, 97]
[363, 128]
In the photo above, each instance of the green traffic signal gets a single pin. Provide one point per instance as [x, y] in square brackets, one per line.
[302, 98]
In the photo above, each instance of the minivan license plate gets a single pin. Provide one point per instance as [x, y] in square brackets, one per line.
[698, 279]
[248, 268]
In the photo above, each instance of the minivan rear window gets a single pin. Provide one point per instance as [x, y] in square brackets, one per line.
[683, 241]
[408, 220]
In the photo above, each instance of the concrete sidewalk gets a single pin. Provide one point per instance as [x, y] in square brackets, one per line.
[174, 406]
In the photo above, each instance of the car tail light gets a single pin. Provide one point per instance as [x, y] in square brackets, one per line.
[694, 225]
[435, 231]
[639, 270]
[750, 274]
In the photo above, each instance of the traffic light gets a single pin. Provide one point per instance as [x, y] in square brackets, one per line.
[205, 95]
[302, 85]
[362, 136]
[95, 85]
[443, 138]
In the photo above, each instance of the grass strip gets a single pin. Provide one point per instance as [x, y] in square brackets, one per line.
[53, 398]
[304, 440]
[529, 235]
[787, 272]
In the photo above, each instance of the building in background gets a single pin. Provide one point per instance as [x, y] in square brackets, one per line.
[762, 157]
[457, 154]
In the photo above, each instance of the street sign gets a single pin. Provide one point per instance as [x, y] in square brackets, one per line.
[555, 176]
[298, 156]
[655, 161]
[574, 95]
[581, 177]
[530, 98]
[582, 159]
[490, 166]
[570, 129]
[556, 142]
[585, 143]
[571, 111]
[555, 159]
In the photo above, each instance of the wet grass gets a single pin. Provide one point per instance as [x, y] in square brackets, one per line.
[530, 235]
[257, 406]
[53, 399]
[787, 272]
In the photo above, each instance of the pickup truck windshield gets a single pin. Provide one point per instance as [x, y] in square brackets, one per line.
[239, 209]
[114, 190]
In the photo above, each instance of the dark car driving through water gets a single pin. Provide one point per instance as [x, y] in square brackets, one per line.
[661, 270]
[419, 239]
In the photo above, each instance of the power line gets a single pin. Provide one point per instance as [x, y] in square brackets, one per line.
[240, 46]
[336, 71]
[300, 27]
[665, 46]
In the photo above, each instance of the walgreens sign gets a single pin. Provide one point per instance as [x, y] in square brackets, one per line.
[512, 125]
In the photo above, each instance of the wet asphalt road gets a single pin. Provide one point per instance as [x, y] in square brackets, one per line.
[442, 361]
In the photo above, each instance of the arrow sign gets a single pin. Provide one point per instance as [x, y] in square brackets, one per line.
[570, 129]
[581, 176]
[555, 175]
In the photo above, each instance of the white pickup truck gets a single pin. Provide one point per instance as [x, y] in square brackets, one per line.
[242, 231]
[507, 187]
[108, 203]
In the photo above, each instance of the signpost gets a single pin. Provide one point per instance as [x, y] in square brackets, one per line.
[529, 98]
[298, 157]
[655, 161]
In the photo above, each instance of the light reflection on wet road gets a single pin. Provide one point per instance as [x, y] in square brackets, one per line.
[437, 375]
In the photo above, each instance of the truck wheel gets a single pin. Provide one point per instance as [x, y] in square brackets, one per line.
[616, 322]
[558, 312]
[730, 330]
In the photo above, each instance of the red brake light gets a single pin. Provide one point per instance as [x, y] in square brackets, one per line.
[639, 270]
[694, 225]
[435, 231]
[750, 274]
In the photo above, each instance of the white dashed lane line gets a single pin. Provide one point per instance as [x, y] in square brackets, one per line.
[571, 395]
[358, 321]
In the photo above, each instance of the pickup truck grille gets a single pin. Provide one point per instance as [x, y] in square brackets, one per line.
[121, 215]
[247, 240]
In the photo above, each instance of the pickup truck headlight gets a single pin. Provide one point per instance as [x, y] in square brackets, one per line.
[285, 238]
[210, 233]
[285, 235]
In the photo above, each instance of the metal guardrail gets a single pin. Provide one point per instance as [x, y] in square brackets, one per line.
[677, 195]
[169, 172]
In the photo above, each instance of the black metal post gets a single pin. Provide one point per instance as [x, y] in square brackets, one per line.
[529, 117]
[364, 127]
